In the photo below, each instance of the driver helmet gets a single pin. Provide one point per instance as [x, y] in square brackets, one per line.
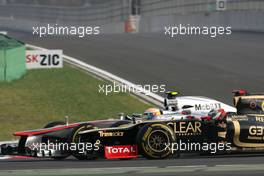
[151, 113]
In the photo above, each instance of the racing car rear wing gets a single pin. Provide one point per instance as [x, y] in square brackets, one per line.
[248, 103]
[239, 92]
[242, 92]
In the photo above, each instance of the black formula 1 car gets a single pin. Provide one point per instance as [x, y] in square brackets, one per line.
[156, 139]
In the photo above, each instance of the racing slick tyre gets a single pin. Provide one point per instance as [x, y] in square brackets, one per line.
[75, 138]
[154, 141]
[53, 124]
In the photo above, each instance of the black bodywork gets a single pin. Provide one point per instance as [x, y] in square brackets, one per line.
[243, 131]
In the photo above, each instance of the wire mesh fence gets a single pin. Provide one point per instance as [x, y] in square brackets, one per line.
[153, 13]
[118, 10]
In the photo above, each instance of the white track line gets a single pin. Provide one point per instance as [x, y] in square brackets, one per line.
[4, 157]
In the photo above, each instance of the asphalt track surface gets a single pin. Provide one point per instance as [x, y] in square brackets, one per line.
[194, 65]
[189, 165]
[191, 65]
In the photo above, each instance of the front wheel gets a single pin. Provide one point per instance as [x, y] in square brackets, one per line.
[77, 139]
[154, 141]
[54, 124]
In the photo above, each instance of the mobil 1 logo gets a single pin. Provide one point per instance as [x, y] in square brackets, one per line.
[36, 59]
[207, 107]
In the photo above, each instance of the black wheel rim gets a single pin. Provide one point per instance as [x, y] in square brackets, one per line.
[158, 140]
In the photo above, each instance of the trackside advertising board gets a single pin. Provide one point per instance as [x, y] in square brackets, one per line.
[36, 59]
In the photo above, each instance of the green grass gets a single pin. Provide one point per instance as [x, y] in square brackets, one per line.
[47, 95]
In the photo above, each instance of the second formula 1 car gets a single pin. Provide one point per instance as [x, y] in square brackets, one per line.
[153, 139]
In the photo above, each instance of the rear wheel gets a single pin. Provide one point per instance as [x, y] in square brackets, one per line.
[154, 141]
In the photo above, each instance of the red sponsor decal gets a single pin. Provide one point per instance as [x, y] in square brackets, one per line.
[31, 58]
[121, 151]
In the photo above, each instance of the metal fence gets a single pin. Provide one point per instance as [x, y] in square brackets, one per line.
[110, 11]
[154, 13]
[245, 15]
[169, 7]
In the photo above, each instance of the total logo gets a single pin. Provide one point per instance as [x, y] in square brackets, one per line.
[121, 151]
